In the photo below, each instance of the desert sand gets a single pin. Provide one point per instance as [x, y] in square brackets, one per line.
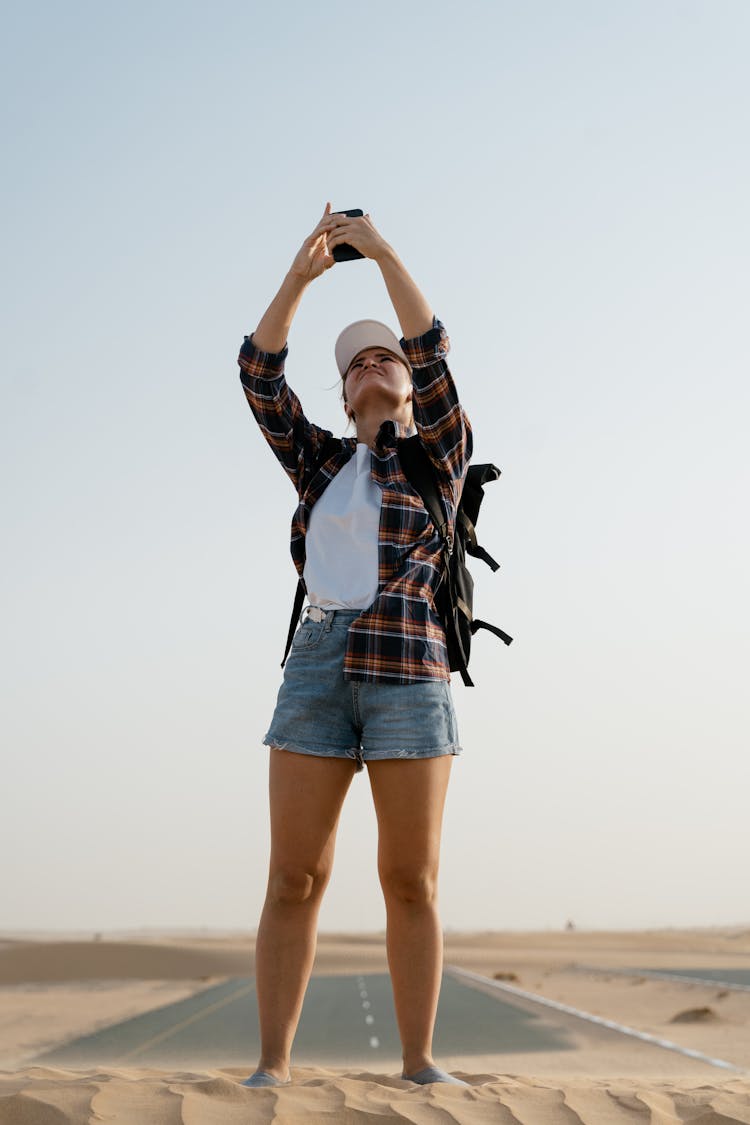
[56, 988]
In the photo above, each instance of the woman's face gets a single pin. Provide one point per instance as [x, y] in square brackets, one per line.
[375, 374]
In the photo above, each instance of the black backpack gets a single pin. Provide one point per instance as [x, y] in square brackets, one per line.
[454, 598]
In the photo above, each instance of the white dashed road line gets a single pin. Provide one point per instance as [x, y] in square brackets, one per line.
[369, 1019]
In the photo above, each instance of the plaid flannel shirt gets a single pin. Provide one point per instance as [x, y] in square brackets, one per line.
[399, 639]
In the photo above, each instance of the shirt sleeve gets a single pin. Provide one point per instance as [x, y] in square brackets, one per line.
[440, 419]
[294, 440]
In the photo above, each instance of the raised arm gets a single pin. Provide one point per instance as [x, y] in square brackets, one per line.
[440, 419]
[294, 440]
[411, 307]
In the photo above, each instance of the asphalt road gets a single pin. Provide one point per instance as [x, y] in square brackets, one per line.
[345, 1020]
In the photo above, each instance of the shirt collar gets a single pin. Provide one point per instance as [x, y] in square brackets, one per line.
[390, 432]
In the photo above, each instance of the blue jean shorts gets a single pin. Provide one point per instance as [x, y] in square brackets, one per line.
[318, 712]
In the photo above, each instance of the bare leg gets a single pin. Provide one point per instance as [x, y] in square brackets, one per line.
[306, 795]
[409, 799]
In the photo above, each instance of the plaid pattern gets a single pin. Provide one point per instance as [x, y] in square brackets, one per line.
[399, 639]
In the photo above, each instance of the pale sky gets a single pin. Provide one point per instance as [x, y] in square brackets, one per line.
[568, 183]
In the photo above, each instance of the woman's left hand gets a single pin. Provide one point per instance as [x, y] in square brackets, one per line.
[359, 233]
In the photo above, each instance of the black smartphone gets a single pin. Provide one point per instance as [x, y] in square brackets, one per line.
[345, 252]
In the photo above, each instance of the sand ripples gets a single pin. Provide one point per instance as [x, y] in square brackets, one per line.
[134, 1096]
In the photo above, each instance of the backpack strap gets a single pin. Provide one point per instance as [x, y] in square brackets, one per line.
[326, 451]
[421, 476]
[299, 598]
[472, 546]
[476, 624]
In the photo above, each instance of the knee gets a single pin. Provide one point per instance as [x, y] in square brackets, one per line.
[291, 886]
[412, 886]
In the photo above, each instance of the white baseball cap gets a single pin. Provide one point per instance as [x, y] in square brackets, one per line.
[365, 334]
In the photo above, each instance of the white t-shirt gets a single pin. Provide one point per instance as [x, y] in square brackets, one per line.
[341, 544]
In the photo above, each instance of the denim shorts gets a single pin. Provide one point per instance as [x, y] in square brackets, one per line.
[319, 712]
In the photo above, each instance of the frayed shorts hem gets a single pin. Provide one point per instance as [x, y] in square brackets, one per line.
[364, 755]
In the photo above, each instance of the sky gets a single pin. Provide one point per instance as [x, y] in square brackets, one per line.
[567, 181]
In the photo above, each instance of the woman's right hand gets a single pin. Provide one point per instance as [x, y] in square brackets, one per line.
[314, 257]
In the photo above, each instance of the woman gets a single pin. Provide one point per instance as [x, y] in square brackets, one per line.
[367, 680]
